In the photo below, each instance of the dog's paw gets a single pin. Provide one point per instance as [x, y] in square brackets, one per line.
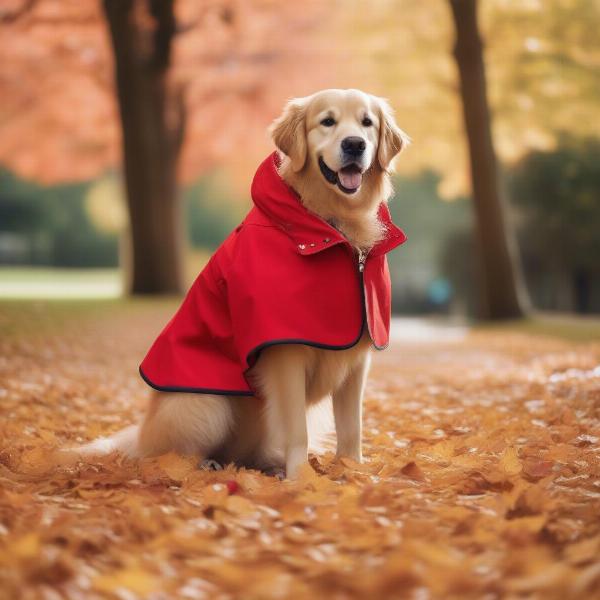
[277, 472]
[208, 464]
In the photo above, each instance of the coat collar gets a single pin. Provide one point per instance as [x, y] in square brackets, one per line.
[310, 233]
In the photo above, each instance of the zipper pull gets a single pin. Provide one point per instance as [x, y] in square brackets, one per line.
[362, 257]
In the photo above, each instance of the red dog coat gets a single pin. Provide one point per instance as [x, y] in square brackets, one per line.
[284, 276]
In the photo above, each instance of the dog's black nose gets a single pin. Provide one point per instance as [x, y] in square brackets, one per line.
[354, 146]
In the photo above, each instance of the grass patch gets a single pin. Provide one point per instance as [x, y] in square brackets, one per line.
[27, 318]
[42, 282]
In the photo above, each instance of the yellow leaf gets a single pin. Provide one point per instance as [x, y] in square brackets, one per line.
[509, 461]
[350, 463]
[27, 547]
[37, 461]
[135, 580]
[177, 467]
[583, 551]
[306, 474]
[443, 450]
[527, 524]
[240, 505]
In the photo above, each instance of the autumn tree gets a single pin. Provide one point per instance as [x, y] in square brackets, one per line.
[152, 120]
[238, 61]
[501, 295]
[541, 58]
[196, 84]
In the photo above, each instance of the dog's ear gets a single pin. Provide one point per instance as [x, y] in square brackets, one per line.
[392, 140]
[289, 132]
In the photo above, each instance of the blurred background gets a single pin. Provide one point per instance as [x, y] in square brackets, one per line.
[130, 131]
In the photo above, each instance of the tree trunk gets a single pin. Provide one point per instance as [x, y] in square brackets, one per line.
[151, 143]
[582, 288]
[502, 295]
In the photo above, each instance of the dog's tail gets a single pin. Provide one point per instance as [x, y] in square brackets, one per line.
[124, 442]
[193, 425]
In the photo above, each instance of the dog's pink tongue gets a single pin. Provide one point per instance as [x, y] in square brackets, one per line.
[350, 180]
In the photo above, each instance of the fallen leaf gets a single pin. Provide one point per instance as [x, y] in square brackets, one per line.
[177, 467]
[509, 461]
[412, 471]
[134, 580]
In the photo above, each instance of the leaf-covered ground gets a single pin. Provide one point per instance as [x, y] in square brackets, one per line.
[481, 480]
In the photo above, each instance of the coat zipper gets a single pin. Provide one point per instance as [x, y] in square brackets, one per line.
[362, 259]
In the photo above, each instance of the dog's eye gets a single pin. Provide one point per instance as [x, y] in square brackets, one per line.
[328, 122]
[367, 122]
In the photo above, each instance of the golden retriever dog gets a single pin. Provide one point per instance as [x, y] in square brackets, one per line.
[337, 148]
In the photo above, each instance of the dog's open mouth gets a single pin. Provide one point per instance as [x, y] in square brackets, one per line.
[348, 178]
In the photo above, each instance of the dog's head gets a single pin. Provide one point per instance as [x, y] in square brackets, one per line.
[343, 136]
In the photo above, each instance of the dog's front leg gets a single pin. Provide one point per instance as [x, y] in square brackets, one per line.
[347, 411]
[292, 402]
[283, 374]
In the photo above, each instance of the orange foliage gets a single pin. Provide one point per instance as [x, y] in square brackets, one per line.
[481, 478]
[237, 60]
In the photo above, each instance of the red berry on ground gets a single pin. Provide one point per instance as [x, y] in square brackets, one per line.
[232, 486]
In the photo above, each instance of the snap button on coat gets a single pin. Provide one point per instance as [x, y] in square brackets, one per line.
[264, 286]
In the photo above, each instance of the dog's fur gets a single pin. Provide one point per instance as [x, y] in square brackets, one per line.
[270, 431]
